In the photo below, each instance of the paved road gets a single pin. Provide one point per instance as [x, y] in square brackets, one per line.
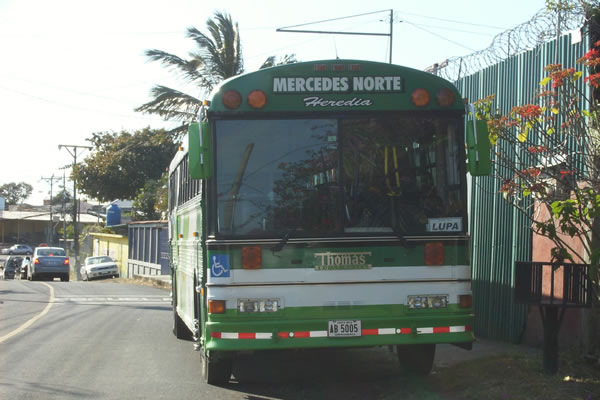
[104, 340]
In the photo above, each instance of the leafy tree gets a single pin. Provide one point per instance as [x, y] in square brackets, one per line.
[151, 201]
[62, 197]
[218, 57]
[15, 193]
[121, 163]
[547, 157]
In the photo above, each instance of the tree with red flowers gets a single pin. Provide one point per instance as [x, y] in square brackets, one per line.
[547, 156]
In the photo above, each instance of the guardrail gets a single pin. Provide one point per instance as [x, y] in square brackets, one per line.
[558, 284]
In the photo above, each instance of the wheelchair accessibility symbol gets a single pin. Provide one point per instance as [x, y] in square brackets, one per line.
[219, 266]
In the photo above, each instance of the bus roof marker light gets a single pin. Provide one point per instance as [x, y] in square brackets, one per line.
[257, 99]
[232, 99]
[445, 97]
[320, 67]
[420, 97]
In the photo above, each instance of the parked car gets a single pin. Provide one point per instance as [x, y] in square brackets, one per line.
[18, 249]
[99, 267]
[49, 263]
[11, 265]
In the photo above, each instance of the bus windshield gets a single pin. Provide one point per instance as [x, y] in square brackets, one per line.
[322, 177]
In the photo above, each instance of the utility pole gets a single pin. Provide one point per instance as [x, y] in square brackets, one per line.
[390, 34]
[72, 149]
[50, 236]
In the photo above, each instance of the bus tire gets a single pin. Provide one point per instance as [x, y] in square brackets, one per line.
[416, 359]
[216, 369]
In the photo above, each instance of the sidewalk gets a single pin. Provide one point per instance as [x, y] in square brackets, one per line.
[163, 281]
[447, 355]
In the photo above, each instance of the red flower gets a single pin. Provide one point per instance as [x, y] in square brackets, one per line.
[558, 76]
[528, 111]
[593, 53]
[564, 173]
[537, 149]
[593, 80]
[532, 172]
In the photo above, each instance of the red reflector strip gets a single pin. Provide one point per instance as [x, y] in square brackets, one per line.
[305, 334]
[241, 335]
[444, 329]
[386, 331]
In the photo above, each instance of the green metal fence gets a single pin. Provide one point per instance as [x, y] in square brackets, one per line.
[500, 235]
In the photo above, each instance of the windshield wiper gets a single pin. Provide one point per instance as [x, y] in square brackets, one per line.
[279, 246]
[402, 239]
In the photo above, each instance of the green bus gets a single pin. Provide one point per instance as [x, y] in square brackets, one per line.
[324, 205]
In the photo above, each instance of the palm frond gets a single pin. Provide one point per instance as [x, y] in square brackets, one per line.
[222, 51]
[189, 69]
[171, 104]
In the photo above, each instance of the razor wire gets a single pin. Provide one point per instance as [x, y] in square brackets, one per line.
[544, 26]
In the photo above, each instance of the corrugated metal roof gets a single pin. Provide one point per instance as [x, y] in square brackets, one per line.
[44, 216]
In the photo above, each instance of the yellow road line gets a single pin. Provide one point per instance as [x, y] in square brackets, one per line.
[34, 319]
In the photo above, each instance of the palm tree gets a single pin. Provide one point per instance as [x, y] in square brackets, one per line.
[218, 57]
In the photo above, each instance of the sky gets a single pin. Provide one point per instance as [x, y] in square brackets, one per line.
[71, 68]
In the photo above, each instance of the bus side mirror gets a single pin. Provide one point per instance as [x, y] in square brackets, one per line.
[478, 148]
[200, 150]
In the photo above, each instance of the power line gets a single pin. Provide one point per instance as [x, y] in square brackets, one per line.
[452, 21]
[95, 111]
[390, 34]
[439, 36]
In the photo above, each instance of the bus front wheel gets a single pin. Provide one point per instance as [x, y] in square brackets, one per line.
[216, 368]
[416, 359]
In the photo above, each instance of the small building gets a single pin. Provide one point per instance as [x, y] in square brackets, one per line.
[148, 248]
[36, 226]
[114, 246]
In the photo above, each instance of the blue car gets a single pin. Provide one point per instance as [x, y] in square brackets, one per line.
[49, 263]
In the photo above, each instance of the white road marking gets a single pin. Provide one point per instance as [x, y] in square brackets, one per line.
[111, 300]
[34, 319]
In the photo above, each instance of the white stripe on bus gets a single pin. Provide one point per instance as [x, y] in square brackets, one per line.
[322, 334]
[354, 295]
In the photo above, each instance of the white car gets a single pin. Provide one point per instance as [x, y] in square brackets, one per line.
[18, 249]
[99, 267]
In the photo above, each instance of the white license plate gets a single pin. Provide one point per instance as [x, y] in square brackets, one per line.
[344, 328]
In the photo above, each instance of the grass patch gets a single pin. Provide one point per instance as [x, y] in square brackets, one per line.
[514, 377]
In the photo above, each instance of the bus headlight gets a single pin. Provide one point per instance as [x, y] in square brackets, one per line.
[259, 305]
[426, 301]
